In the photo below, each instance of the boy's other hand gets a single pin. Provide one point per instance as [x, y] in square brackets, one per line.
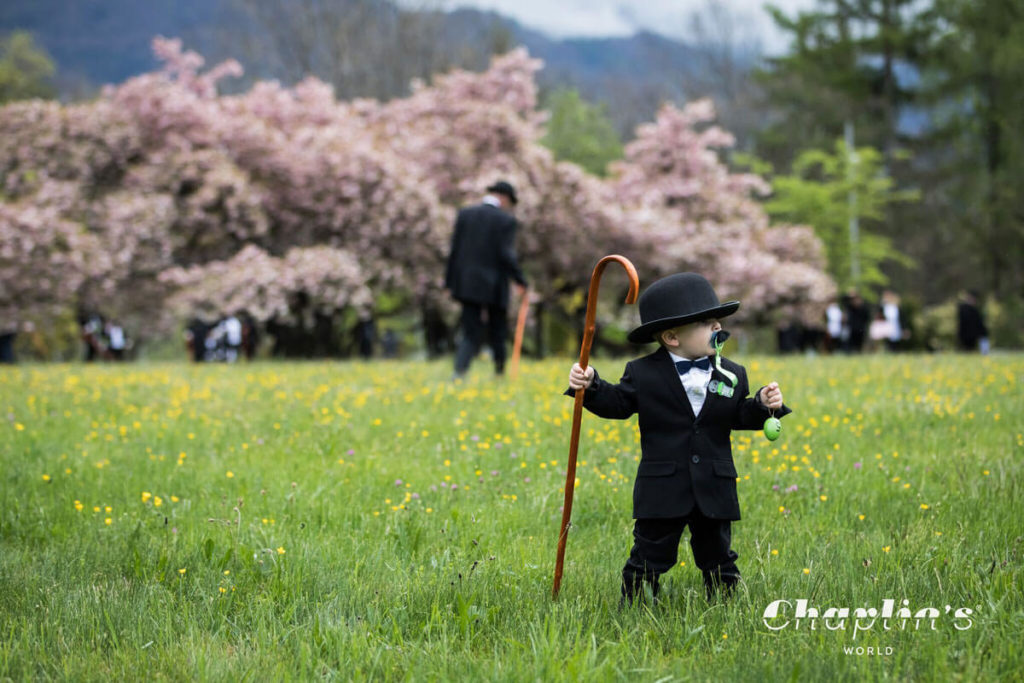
[580, 378]
[771, 396]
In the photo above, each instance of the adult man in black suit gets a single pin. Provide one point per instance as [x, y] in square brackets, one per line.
[481, 261]
[687, 406]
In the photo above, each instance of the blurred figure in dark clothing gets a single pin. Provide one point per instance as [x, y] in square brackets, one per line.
[480, 263]
[92, 335]
[790, 336]
[195, 339]
[366, 335]
[250, 335]
[7, 346]
[971, 332]
[389, 343]
[857, 319]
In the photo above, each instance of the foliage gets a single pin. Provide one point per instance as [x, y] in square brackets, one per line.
[267, 287]
[26, 71]
[975, 82]
[580, 132]
[818, 193]
[698, 215]
[942, 79]
[842, 66]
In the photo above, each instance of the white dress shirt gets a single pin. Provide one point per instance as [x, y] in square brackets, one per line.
[695, 383]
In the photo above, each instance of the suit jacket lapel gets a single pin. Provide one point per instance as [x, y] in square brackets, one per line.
[671, 375]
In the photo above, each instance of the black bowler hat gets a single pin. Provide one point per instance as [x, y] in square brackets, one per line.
[676, 300]
[505, 188]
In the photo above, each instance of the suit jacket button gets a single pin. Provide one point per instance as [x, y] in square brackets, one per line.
[695, 459]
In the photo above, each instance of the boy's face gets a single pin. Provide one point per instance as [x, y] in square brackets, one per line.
[692, 340]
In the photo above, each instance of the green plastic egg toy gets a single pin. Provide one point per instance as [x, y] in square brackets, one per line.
[772, 428]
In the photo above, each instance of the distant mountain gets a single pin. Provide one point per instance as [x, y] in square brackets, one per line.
[107, 41]
[631, 76]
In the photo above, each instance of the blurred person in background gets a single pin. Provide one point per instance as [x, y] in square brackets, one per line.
[891, 312]
[116, 341]
[7, 336]
[91, 324]
[833, 326]
[879, 331]
[232, 337]
[481, 262]
[195, 339]
[971, 332]
[250, 335]
[857, 317]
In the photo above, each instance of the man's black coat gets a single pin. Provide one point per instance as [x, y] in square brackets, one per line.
[970, 325]
[483, 256]
[685, 460]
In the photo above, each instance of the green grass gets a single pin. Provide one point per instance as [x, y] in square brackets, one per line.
[341, 520]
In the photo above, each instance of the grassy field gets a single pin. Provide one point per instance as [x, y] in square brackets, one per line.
[352, 521]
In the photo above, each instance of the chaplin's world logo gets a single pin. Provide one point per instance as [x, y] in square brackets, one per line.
[797, 614]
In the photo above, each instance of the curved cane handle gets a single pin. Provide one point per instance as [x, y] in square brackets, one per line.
[595, 280]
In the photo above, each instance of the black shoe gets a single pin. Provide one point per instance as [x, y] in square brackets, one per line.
[642, 597]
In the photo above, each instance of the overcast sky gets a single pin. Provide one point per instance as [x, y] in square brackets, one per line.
[579, 18]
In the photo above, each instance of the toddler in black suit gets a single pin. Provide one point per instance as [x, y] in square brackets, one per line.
[687, 405]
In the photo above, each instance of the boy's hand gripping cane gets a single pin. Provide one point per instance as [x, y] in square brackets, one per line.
[577, 414]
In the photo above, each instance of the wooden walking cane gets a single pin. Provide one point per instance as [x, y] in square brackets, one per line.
[517, 344]
[577, 413]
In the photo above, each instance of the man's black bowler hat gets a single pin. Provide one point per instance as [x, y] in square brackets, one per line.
[505, 188]
[676, 300]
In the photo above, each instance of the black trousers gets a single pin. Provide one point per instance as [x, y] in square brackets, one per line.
[656, 548]
[473, 330]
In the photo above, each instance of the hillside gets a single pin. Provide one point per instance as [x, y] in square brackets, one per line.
[104, 41]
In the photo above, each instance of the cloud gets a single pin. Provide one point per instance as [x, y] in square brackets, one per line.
[593, 18]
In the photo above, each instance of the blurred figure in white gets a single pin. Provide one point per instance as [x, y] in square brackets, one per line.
[116, 342]
[879, 331]
[891, 311]
[833, 326]
[232, 337]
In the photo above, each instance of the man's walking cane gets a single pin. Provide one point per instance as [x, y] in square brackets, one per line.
[517, 344]
[577, 413]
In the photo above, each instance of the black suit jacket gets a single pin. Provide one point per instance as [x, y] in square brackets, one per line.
[483, 256]
[686, 460]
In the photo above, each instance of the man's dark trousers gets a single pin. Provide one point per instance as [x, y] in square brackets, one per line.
[656, 547]
[473, 331]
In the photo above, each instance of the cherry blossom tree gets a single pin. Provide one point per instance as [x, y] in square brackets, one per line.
[164, 196]
[266, 286]
[700, 216]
